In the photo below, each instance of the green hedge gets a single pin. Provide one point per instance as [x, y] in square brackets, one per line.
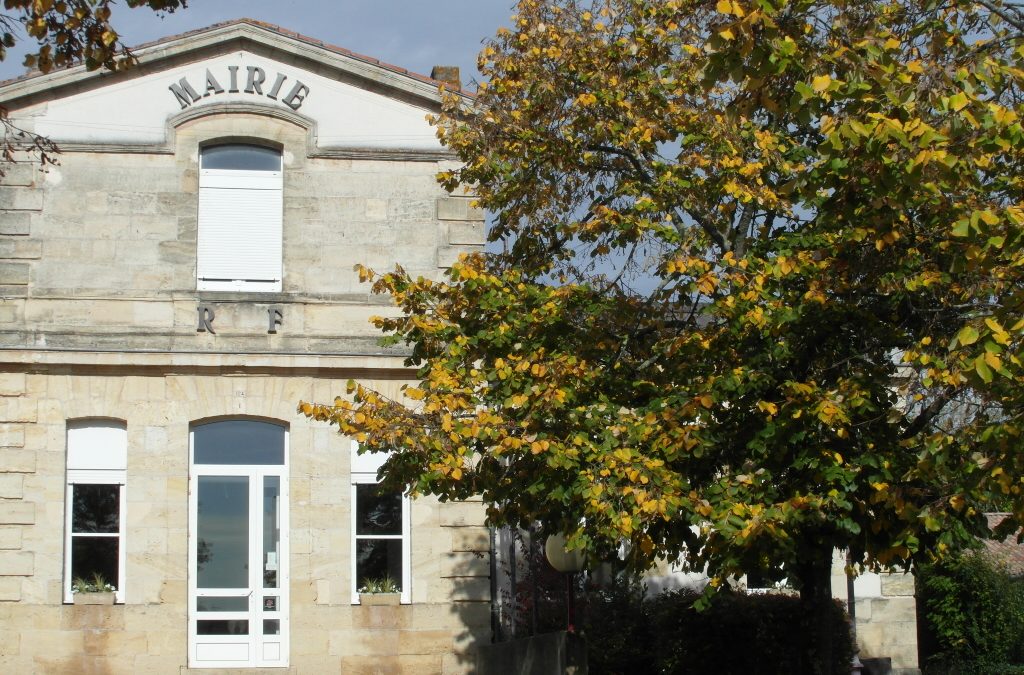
[972, 615]
[738, 634]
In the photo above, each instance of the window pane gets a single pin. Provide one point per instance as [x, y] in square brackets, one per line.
[378, 558]
[223, 532]
[95, 508]
[271, 626]
[271, 530]
[377, 513]
[94, 555]
[239, 442]
[241, 158]
[222, 627]
[230, 604]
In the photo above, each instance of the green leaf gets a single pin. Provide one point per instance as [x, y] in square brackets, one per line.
[984, 372]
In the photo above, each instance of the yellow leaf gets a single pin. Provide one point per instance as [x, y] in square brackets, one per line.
[968, 335]
[726, 34]
[988, 217]
[821, 83]
[993, 360]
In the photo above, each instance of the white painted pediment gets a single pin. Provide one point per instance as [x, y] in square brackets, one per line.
[351, 102]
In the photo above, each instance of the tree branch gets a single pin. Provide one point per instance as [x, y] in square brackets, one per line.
[1011, 15]
[929, 413]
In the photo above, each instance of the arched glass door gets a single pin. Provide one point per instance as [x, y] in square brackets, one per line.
[238, 545]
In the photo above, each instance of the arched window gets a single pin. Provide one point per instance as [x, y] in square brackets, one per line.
[240, 207]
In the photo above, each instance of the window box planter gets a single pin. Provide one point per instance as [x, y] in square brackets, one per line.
[94, 598]
[372, 599]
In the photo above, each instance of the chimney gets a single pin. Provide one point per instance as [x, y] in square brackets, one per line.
[447, 74]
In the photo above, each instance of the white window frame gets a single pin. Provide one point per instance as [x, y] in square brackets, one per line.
[364, 472]
[212, 237]
[96, 454]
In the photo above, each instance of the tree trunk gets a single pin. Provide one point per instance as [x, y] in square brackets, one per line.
[815, 577]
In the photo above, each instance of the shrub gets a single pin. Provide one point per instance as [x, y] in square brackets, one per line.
[739, 633]
[972, 614]
[618, 630]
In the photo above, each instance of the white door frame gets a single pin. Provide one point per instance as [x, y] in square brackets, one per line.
[254, 650]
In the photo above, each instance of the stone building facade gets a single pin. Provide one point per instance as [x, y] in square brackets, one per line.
[170, 291]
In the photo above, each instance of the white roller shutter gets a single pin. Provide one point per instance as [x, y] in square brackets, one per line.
[239, 244]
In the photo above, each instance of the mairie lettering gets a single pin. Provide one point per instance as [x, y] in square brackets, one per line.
[253, 80]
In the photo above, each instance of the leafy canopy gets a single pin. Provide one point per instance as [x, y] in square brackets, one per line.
[67, 33]
[756, 290]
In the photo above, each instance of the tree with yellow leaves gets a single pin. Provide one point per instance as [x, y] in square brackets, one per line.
[756, 291]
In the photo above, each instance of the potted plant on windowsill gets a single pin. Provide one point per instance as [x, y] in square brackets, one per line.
[95, 591]
[383, 591]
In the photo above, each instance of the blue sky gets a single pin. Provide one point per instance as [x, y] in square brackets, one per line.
[414, 34]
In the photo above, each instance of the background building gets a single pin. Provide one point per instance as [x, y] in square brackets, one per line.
[170, 292]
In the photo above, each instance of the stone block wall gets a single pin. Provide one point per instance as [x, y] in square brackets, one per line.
[20, 205]
[886, 615]
[437, 633]
[99, 319]
[100, 251]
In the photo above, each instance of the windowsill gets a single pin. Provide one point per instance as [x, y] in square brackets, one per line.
[270, 297]
[79, 603]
